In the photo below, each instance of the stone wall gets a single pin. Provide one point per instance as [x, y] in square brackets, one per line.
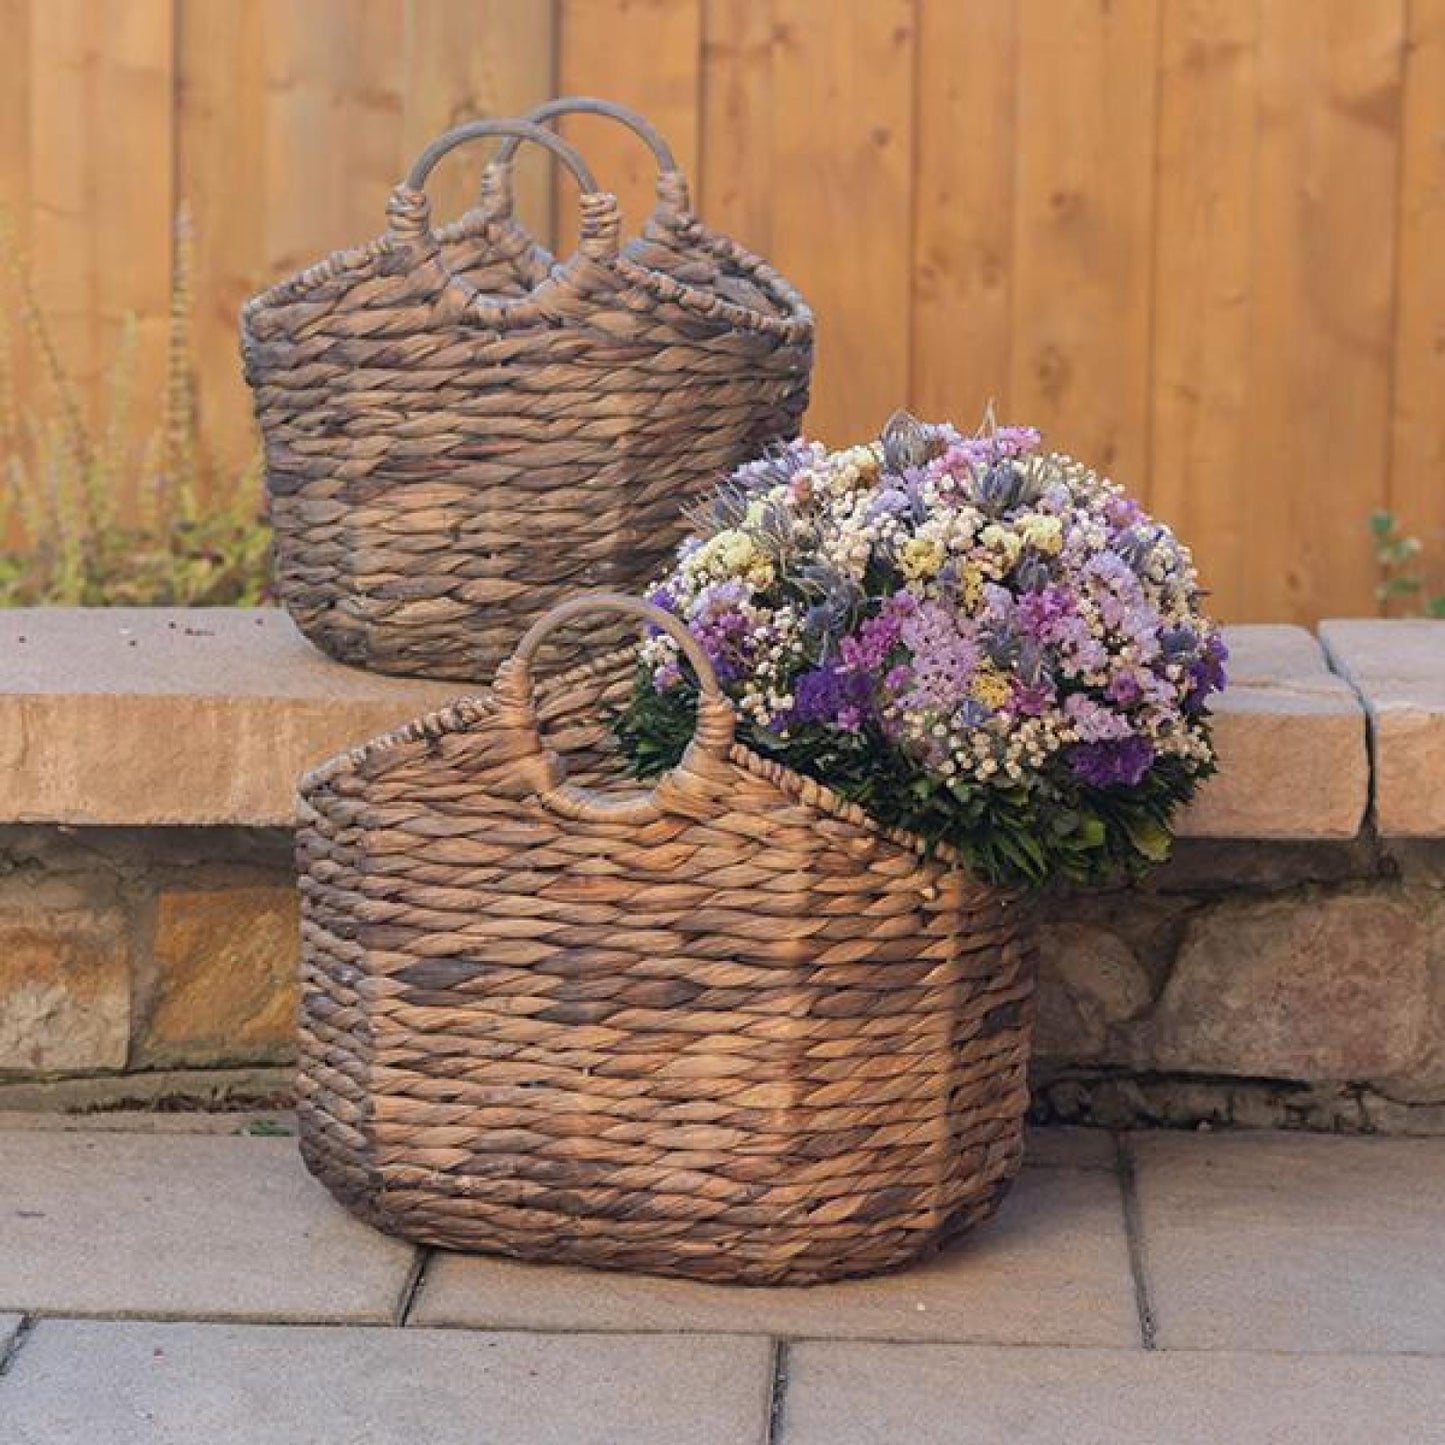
[1247, 983]
[1287, 968]
[1252, 984]
[144, 949]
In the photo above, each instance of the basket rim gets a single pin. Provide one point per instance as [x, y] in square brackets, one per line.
[464, 712]
[795, 324]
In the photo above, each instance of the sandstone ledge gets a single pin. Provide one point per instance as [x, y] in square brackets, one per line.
[154, 717]
[1398, 668]
[158, 717]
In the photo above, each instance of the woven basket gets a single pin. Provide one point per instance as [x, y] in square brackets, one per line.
[726, 1028]
[460, 431]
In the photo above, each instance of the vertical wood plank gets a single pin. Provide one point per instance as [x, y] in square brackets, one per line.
[101, 192]
[964, 184]
[842, 198]
[1084, 218]
[221, 165]
[1317, 415]
[15, 85]
[333, 142]
[475, 60]
[646, 54]
[734, 190]
[15, 203]
[1417, 473]
[1204, 287]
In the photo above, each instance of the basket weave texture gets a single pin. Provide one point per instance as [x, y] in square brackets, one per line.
[461, 431]
[726, 1029]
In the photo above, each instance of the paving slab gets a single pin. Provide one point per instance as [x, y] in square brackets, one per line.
[84, 1382]
[139, 1224]
[1294, 1242]
[1398, 668]
[8, 1325]
[852, 1394]
[1052, 1267]
[1290, 735]
[1068, 1147]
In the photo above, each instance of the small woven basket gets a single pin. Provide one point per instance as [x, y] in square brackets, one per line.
[460, 431]
[725, 1028]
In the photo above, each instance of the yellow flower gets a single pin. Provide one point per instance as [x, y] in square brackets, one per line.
[1002, 540]
[920, 558]
[1042, 533]
[970, 585]
[733, 553]
[990, 687]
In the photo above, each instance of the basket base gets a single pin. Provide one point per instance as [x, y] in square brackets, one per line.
[783, 1254]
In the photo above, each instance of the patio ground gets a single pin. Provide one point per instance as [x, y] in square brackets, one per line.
[179, 1278]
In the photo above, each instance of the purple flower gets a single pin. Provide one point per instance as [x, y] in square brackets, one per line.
[1206, 673]
[945, 654]
[866, 650]
[1093, 722]
[1040, 613]
[831, 697]
[1120, 763]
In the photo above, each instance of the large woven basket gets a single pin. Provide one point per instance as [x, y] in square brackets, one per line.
[726, 1028]
[460, 431]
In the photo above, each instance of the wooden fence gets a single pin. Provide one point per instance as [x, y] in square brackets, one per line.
[1198, 241]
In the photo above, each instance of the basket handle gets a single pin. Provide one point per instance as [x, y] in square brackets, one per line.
[547, 773]
[409, 208]
[672, 196]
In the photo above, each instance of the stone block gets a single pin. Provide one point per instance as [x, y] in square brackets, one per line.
[226, 969]
[1293, 987]
[892, 1394]
[1089, 980]
[184, 1224]
[151, 716]
[141, 1382]
[1398, 668]
[65, 989]
[1291, 742]
[1292, 1243]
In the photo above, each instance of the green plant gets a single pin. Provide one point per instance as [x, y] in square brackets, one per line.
[99, 515]
[1397, 558]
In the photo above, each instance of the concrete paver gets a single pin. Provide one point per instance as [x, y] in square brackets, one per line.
[1053, 1267]
[210, 1226]
[144, 1383]
[857, 1394]
[1294, 1242]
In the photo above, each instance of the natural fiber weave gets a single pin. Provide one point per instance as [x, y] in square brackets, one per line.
[726, 1029]
[460, 431]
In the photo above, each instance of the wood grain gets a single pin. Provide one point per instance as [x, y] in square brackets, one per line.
[646, 54]
[842, 212]
[1316, 425]
[964, 243]
[1417, 473]
[1198, 241]
[475, 60]
[735, 186]
[101, 207]
[1084, 216]
[1202, 482]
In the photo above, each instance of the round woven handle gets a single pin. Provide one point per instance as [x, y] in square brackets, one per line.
[712, 738]
[410, 207]
[672, 197]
